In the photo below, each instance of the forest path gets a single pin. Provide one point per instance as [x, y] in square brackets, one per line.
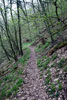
[33, 88]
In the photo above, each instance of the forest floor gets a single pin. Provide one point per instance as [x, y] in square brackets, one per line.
[53, 70]
[41, 74]
[33, 87]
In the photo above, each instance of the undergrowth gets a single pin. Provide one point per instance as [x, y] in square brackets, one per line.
[53, 85]
[10, 83]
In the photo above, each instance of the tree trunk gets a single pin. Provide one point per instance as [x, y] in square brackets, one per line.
[20, 40]
[17, 47]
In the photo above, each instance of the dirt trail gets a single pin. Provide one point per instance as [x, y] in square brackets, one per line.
[33, 88]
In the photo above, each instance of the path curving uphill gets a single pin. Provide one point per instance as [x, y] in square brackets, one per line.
[33, 88]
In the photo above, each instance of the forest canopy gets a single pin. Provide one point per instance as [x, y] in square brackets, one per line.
[24, 20]
[33, 49]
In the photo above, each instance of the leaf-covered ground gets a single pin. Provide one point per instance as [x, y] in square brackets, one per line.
[43, 77]
[33, 87]
[11, 76]
[53, 70]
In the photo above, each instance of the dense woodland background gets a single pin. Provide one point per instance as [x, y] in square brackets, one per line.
[29, 21]
[42, 23]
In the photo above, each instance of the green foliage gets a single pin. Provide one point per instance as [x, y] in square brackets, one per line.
[48, 78]
[8, 77]
[20, 72]
[54, 57]
[60, 86]
[19, 82]
[10, 83]
[48, 72]
[41, 48]
[0, 82]
[52, 88]
[60, 44]
[37, 49]
[25, 57]
[26, 45]
[53, 65]
[39, 62]
[45, 57]
[46, 62]
[43, 64]
[62, 63]
[14, 88]
[65, 68]
[3, 93]
[46, 45]
[57, 94]
[13, 80]
[9, 92]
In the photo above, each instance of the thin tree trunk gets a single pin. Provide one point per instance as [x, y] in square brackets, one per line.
[4, 49]
[46, 22]
[20, 40]
[16, 39]
[7, 30]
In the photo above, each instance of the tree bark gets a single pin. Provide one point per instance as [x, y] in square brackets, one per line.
[20, 40]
